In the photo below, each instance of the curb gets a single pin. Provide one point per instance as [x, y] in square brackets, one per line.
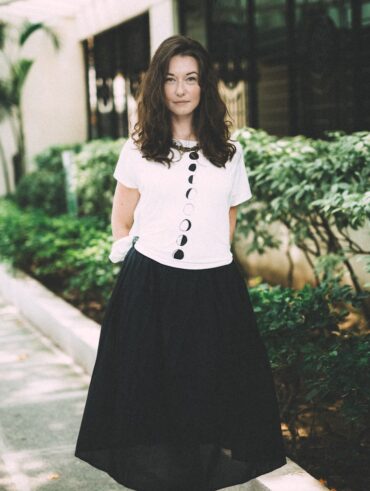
[78, 336]
[64, 324]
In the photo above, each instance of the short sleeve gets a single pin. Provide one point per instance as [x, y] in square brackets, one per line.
[241, 190]
[126, 169]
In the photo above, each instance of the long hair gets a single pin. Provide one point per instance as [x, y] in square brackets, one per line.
[153, 133]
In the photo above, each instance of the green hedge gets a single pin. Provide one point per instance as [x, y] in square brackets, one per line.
[69, 254]
[319, 189]
[45, 187]
[316, 361]
[95, 181]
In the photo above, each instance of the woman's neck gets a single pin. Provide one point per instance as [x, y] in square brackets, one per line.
[182, 131]
[183, 138]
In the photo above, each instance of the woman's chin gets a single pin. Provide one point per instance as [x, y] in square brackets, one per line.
[182, 111]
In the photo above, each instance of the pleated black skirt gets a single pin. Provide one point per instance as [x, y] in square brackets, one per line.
[181, 397]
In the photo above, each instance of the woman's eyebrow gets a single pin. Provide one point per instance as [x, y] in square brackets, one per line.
[168, 73]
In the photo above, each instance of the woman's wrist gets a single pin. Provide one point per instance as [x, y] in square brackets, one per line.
[120, 247]
[120, 234]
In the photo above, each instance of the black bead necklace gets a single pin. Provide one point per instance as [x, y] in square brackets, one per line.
[181, 148]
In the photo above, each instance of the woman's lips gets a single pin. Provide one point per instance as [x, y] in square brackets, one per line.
[181, 102]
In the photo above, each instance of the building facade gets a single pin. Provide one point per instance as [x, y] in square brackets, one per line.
[287, 66]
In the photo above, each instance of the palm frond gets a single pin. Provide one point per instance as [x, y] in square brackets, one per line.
[19, 74]
[6, 98]
[3, 28]
[52, 35]
[28, 28]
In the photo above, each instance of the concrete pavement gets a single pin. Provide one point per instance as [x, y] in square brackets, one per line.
[42, 395]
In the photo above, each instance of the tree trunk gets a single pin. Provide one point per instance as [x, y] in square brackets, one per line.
[4, 165]
[21, 142]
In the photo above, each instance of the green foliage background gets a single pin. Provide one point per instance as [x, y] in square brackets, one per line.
[319, 189]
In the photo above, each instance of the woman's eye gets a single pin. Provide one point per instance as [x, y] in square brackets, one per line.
[190, 79]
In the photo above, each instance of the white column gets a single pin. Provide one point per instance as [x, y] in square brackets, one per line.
[163, 22]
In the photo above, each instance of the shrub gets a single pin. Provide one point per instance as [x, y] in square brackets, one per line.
[69, 254]
[44, 188]
[318, 361]
[95, 181]
[318, 189]
[50, 159]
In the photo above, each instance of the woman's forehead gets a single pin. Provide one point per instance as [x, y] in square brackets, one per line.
[182, 65]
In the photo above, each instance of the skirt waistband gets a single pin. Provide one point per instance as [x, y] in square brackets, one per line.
[134, 252]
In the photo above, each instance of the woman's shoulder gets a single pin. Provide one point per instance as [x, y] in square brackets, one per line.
[130, 149]
[236, 143]
[239, 150]
[131, 145]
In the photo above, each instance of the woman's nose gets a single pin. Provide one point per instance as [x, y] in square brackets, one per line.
[180, 88]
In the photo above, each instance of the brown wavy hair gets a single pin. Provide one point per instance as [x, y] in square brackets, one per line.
[153, 128]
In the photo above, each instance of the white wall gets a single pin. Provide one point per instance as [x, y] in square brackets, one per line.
[273, 266]
[54, 96]
[55, 109]
[97, 16]
[163, 21]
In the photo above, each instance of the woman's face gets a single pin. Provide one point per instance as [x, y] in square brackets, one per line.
[181, 85]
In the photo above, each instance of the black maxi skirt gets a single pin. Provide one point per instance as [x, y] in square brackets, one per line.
[181, 396]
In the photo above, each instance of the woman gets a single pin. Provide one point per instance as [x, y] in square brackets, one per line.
[181, 396]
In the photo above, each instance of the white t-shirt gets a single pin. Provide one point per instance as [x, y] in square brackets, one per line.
[182, 216]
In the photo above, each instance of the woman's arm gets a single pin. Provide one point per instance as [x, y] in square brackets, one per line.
[232, 216]
[124, 203]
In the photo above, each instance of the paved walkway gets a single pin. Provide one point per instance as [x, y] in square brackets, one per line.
[42, 396]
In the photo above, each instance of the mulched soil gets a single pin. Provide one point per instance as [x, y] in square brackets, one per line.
[332, 458]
